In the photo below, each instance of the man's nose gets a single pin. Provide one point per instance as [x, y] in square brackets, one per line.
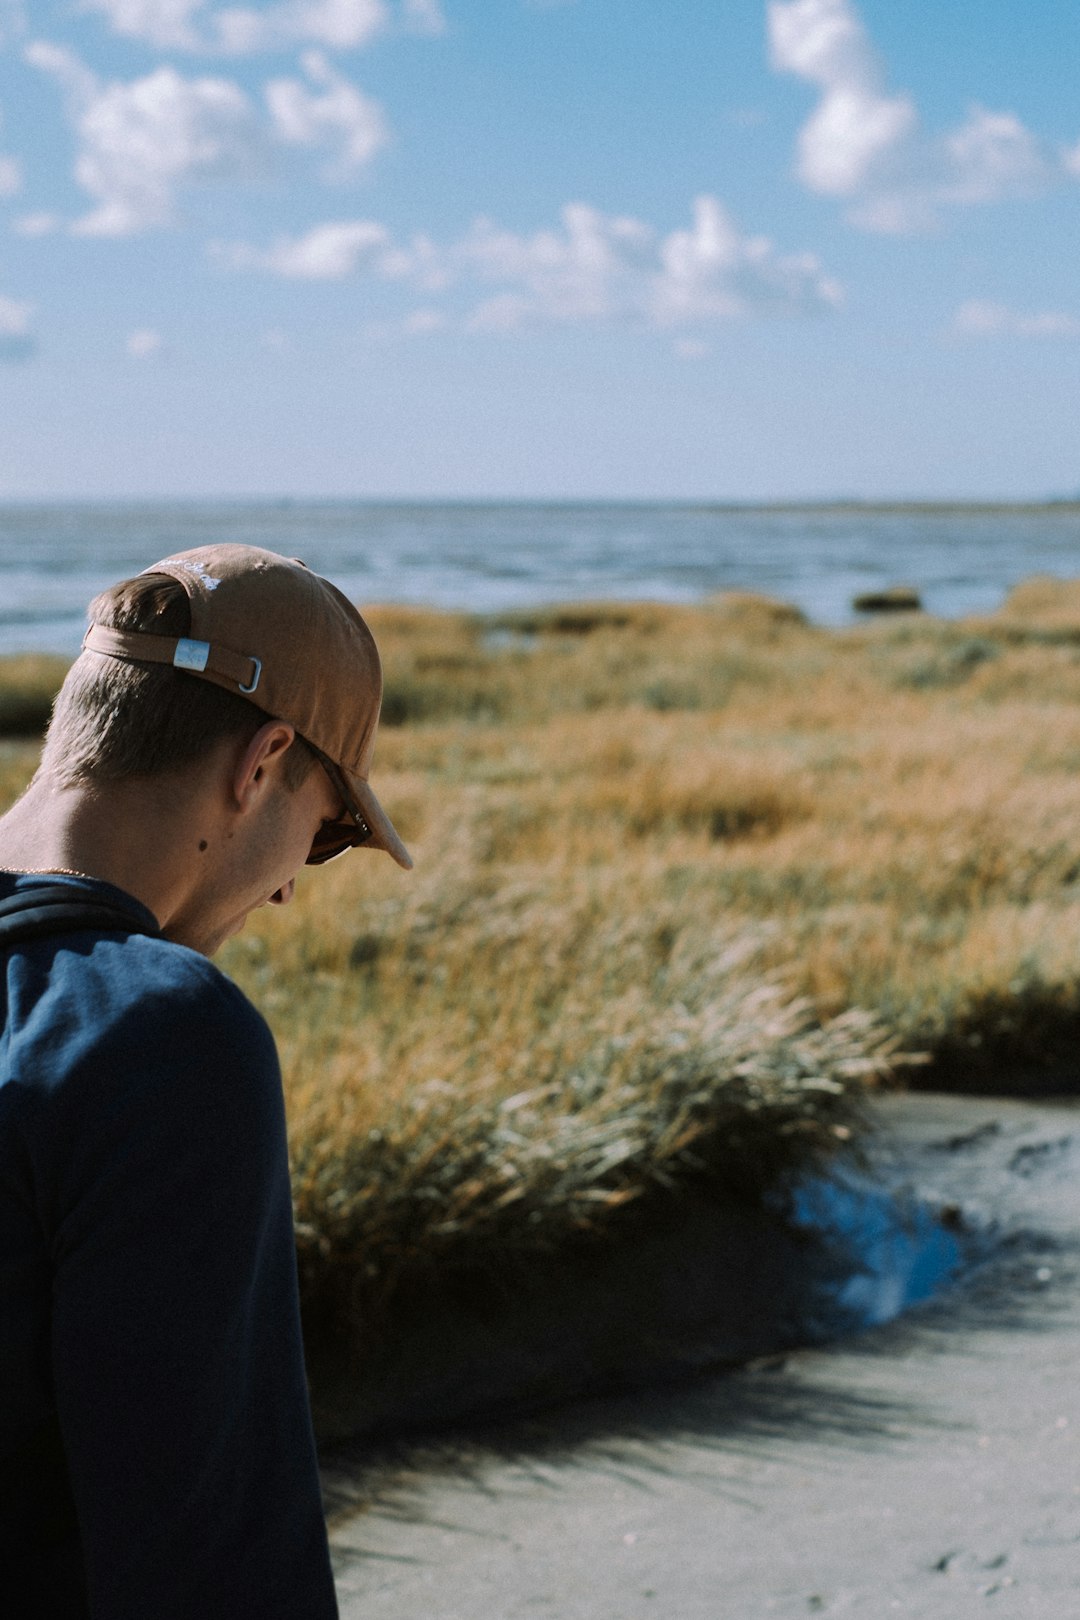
[282, 896]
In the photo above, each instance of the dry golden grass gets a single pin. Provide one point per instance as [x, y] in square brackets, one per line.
[648, 812]
[28, 684]
[662, 854]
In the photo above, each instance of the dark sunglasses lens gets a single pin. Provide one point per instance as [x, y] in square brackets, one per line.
[332, 838]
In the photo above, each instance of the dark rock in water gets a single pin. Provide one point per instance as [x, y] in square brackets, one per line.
[893, 599]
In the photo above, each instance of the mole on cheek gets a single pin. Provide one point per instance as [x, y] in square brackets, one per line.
[202, 845]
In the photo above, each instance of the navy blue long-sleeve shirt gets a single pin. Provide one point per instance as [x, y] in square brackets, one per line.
[156, 1455]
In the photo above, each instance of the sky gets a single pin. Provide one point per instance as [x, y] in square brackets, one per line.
[540, 249]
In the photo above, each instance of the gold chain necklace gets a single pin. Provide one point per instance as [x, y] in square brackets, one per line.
[48, 871]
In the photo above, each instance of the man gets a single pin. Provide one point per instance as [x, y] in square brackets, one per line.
[156, 1455]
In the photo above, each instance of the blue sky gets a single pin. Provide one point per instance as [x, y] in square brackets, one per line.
[540, 248]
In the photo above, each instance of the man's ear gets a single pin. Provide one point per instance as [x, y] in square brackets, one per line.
[253, 763]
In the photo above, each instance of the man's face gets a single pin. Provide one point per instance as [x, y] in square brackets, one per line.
[260, 865]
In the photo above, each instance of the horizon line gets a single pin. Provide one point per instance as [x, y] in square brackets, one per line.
[700, 503]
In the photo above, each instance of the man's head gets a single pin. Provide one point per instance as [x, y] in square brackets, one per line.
[211, 644]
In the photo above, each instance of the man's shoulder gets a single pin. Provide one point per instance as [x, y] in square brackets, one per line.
[134, 988]
[170, 981]
[91, 997]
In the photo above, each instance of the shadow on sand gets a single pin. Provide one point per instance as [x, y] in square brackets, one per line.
[1009, 1276]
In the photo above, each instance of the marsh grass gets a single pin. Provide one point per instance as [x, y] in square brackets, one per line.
[28, 684]
[635, 921]
[688, 881]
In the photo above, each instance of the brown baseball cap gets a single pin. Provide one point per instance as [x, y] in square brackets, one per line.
[268, 628]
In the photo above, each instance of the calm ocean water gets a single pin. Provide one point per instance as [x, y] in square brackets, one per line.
[489, 557]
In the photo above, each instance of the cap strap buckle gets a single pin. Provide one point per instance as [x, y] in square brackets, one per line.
[192, 655]
[183, 652]
[255, 676]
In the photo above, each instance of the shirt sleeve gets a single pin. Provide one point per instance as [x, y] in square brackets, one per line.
[177, 1352]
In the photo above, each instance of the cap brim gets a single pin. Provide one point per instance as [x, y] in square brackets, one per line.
[383, 835]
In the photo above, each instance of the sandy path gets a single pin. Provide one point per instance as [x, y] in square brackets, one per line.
[929, 1468]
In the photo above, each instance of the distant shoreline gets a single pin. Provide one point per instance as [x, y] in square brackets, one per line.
[489, 557]
[1066, 505]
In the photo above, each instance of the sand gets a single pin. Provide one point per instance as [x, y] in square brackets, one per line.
[930, 1467]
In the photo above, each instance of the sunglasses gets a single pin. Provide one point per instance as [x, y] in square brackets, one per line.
[342, 832]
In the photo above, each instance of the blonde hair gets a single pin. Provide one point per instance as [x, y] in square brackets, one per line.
[113, 719]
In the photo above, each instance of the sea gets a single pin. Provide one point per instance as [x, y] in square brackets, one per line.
[488, 557]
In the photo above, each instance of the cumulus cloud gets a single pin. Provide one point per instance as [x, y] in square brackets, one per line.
[239, 30]
[16, 336]
[142, 141]
[600, 267]
[144, 343]
[337, 24]
[865, 145]
[165, 23]
[855, 125]
[980, 318]
[139, 142]
[584, 271]
[712, 272]
[327, 252]
[991, 156]
[333, 114]
[592, 267]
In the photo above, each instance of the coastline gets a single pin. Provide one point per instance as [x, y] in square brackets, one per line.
[492, 556]
[923, 1468]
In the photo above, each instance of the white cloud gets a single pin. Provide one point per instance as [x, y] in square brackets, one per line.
[15, 317]
[866, 145]
[334, 114]
[144, 343]
[164, 23]
[591, 267]
[16, 335]
[139, 142]
[74, 78]
[600, 267]
[327, 252]
[984, 318]
[10, 176]
[713, 272]
[1070, 160]
[336, 24]
[240, 30]
[36, 224]
[855, 125]
[580, 272]
[991, 156]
